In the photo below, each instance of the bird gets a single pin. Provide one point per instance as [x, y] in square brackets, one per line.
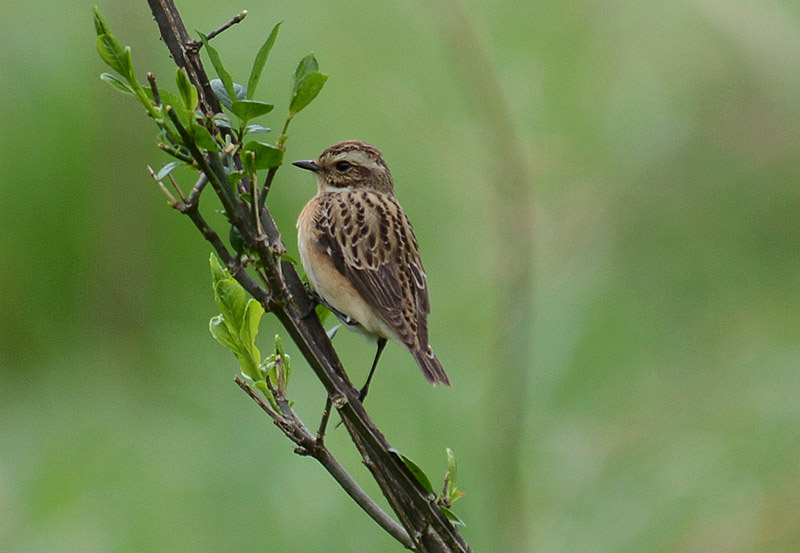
[361, 256]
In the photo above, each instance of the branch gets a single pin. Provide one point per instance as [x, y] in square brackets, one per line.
[296, 431]
[426, 529]
[183, 50]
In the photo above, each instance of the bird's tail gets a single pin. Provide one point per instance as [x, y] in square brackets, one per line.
[430, 366]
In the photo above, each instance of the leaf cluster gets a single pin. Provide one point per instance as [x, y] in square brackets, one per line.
[236, 328]
[227, 133]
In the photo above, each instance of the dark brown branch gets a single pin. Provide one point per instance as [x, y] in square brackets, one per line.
[180, 46]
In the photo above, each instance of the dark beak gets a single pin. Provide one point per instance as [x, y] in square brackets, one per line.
[307, 164]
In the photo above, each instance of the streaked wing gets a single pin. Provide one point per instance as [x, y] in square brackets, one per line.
[372, 244]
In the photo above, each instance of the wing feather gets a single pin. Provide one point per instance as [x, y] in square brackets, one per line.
[372, 244]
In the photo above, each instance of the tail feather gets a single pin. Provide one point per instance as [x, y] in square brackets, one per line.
[430, 365]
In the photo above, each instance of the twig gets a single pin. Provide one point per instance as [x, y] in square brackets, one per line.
[221, 188]
[267, 184]
[173, 201]
[171, 150]
[296, 431]
[197, 189]
[236, 19]
[323, 423]
[154, 89]
[177, 188]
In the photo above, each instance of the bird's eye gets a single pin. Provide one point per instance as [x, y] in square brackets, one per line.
[343, 166]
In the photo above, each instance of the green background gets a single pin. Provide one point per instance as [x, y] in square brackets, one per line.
[638, 390]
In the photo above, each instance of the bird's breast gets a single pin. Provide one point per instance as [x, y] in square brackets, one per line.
[329, 282]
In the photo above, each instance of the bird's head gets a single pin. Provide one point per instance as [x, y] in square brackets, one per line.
[350, 165]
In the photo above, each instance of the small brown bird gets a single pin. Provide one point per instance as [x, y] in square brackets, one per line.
[360, 253]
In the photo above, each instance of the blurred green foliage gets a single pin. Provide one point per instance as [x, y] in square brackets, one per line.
[662, 399]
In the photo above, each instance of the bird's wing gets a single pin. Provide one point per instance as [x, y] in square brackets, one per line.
[371, 243]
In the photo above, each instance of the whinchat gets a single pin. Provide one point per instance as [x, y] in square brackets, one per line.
[360, 253]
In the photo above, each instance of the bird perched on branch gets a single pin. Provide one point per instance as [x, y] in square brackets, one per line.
[360, 254]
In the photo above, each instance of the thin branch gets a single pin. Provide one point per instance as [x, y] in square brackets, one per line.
[173, 201]
[323, 423]
[171, 150]
[177, 187]
[154, 89]
[222, 190]
[296, 431]
[176, 37]
[236, 19]
[267, 184]
[197, 189]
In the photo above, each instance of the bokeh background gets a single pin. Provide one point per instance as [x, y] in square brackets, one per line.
[607, 198]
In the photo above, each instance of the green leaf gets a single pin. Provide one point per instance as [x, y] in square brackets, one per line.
[252, 317]
[249, 162]
[167, 98]
[235, 177]
[100, 24]
[452, 517]
[286, 361]
[236, 240]
[187, 89]
[266, 156]
[202, 137]
[250, 109]
[262, 385]
[222, 121]
[452, 466]
[418, 473]
[256, 128]
[237, 326]
[218, 270]
[306, 66]
[286, 257]
[219, 330]
[222, 95]
[224, 76]
[261, 60]
[308, 89]
[249, 364]
[232, 301]
[167, 169]
[117, 57]
[116, 83]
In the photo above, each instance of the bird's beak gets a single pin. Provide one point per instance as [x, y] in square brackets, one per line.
[307, 164]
